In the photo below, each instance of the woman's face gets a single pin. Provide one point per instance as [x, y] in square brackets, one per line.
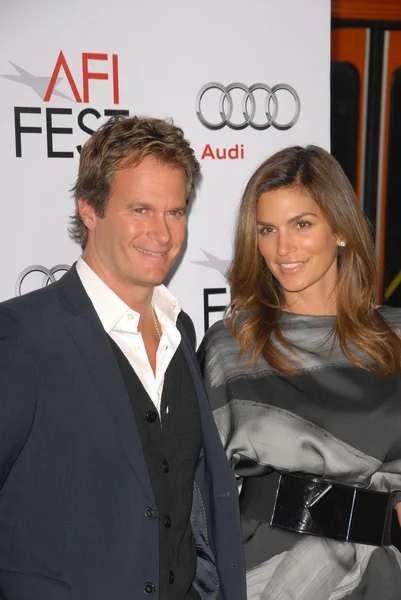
[299, 248]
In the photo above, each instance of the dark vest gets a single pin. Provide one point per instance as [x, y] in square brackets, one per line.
[171, 447]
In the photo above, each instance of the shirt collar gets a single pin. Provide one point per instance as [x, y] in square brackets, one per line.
[111, 309]
[165, 303]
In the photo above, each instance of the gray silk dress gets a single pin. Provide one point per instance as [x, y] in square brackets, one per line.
[332, 420]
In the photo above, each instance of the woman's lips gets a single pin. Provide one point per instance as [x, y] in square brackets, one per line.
[291, 267]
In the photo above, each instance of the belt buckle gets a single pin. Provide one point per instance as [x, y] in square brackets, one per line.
[333, 512]
[350, 514]
[315, 506]
[294, 497]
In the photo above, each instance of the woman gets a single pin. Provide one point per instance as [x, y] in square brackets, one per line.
[304, 379]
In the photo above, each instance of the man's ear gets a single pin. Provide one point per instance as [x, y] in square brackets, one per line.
[87, 214]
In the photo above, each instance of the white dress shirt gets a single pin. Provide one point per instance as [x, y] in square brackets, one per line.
[121, 323]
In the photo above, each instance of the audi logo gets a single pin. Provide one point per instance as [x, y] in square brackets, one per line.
[49, 276]
[226, 106]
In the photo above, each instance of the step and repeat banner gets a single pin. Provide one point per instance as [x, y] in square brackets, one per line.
[243, 80]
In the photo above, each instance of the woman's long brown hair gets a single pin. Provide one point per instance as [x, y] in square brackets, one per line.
[256, 293]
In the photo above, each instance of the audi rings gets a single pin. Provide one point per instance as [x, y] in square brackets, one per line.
[226, 106]
[48, 275]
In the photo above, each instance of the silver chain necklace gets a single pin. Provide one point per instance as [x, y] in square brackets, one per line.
[159, 333]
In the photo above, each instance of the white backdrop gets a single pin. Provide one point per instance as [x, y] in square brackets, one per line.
[154, 58]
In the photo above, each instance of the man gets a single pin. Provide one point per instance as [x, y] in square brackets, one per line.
[113, 481]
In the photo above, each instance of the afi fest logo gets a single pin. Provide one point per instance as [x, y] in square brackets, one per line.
[55, 122]
[215, 300]
[237, 106]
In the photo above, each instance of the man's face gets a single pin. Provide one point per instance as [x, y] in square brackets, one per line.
[134, 245]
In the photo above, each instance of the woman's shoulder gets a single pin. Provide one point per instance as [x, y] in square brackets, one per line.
[217, 333]
[223, 329]
[392, 314]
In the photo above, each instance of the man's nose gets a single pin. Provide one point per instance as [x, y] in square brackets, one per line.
[159, 230]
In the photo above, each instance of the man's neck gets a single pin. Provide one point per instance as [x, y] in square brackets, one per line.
[138, 298]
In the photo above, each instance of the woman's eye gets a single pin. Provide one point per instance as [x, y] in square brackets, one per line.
[303, 224]
[265, 230]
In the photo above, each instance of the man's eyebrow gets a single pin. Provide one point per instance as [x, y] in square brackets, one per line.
[136, 203]
[178, 207]
[147, 205]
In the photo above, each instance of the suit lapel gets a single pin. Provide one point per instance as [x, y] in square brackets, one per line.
[212, 446]
[91, 340]
[190, 358]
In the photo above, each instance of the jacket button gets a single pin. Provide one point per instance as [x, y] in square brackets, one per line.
[166, 466]
[149, 589]
[167, 522]
[149, 512]
[151, 416]
[171, 577]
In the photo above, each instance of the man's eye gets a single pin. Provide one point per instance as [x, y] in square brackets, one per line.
[139, 210]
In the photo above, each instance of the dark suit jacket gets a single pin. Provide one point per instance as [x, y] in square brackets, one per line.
[73, 480]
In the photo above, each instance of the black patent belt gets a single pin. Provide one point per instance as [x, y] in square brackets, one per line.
[316, 506]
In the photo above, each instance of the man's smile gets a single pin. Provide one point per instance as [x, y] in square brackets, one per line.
[150, 252]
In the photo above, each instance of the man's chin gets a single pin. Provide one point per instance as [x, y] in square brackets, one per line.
[154, 280]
